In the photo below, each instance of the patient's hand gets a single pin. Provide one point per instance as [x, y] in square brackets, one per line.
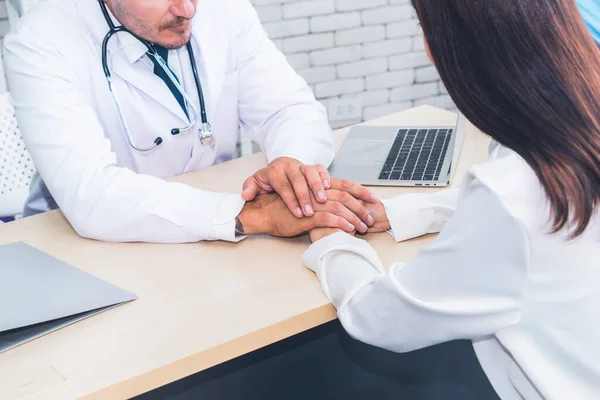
[268, 214]
[377, 211]
[320, 233]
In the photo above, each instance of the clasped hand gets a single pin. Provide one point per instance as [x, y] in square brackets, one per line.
[288, 199]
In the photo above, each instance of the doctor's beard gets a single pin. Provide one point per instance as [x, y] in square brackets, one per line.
[172, 34]
[179, 26]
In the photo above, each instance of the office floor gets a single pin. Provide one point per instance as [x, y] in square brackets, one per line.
[325, 363]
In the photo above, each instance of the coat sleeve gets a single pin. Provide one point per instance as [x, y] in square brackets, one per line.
[416, 214]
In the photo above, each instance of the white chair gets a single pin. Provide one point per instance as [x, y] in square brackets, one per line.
[16, 166]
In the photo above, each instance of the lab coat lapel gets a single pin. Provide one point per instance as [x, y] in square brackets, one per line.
[141, 75]
[211, 40]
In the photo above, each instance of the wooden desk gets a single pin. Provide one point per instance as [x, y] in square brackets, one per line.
[199, 304]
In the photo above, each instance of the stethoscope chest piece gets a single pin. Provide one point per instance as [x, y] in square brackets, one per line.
[206, 135]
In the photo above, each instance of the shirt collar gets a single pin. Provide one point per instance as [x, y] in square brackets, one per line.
[129, 44]
[90, 11]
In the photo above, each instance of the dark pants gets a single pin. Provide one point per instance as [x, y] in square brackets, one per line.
[325, 363]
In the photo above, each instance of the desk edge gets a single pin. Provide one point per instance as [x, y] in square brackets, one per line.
[214, 356]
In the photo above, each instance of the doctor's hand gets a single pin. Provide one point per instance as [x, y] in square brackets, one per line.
[294, 182]
[268, 214]
[302, 188]
[319, 233]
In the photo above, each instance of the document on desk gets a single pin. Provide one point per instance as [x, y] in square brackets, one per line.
[40, 294]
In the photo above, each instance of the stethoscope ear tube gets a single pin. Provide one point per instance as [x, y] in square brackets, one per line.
[206, 133]
[190, 50]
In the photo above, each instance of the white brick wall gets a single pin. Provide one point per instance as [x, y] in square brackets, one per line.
[369, 50]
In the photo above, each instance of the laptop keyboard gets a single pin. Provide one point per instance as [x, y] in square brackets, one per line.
[416, 155]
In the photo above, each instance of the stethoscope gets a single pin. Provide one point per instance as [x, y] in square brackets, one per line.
[205, 133]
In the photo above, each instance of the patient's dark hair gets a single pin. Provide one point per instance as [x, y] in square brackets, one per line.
[527, 73]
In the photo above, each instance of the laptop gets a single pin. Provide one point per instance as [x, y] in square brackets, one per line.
[400, 156]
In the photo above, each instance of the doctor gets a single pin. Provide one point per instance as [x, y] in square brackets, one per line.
[114, 96]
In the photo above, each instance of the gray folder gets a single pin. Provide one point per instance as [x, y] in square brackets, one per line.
[40, 294]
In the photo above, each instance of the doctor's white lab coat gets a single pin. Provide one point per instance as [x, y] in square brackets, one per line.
[70, 124]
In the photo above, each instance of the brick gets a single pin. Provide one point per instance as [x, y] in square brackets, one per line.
[386, 109]
[353, 5]
[359, 35]
[362, 68]
[334, 22]
[418, 43]
[308, 8]
[373, 98]
[403, 29]
[278, 43]
[441, 88]
[270, 12]
[413, 92]
[286, 28]
[387, 47]
[307, 42]
[325, 101]
[336, 88]
[318, 75]
[446, 101]
[426, 74]
[409, 60]
[298, 60]
[336, 56]
[386, 15]
[390, 79]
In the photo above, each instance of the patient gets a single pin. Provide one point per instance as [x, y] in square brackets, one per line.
[516, 266]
